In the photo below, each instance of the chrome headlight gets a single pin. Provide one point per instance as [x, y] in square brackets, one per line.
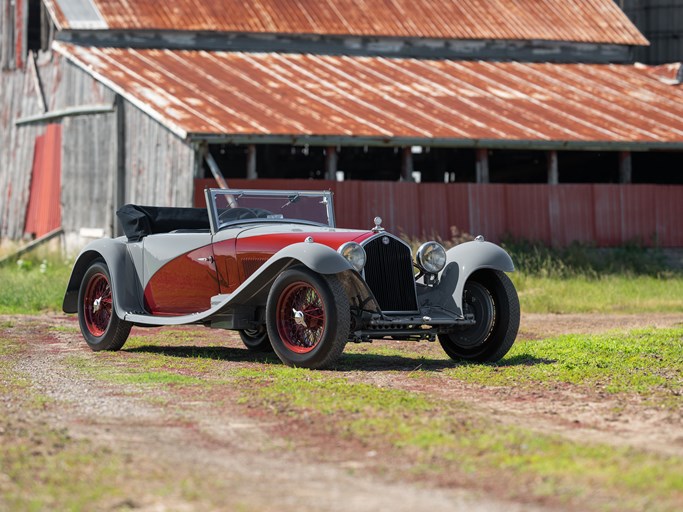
[431, 257]
[354, 253]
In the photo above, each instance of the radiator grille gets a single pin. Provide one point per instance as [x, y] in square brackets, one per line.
[389, 274]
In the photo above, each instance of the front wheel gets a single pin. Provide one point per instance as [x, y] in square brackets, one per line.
[100, 326]
[492, 298]
[308, 318]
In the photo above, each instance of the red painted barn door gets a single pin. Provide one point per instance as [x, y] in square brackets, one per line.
[44, 212]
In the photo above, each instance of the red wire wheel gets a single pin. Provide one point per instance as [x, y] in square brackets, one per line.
[100, 326]
[301, 317]
[97, 304]
[308, 318]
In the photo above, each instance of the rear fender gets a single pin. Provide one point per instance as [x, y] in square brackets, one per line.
[461, 262]
[125, 281]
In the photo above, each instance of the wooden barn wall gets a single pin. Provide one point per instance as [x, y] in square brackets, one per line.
[159, 166]
[18, 98]
[89, 170]
[603, 215]
[88, 143]
[88, 149]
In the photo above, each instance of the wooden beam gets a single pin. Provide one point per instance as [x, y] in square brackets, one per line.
[553, 169]
[32, 245]
[251, 162]
[625, 167]
[119, 192]
[213, 167]
[331, 163]
[483, 165]
[84, 110]
[406, 164]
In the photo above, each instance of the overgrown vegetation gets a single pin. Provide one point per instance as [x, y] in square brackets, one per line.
[588, 262]
[31, 285]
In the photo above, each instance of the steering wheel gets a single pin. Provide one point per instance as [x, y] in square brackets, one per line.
[240, 213]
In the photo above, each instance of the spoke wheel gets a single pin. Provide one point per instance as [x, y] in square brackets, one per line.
[491, 297]
[308, 318]
[100, 326]
[97, 305]
[301, 317]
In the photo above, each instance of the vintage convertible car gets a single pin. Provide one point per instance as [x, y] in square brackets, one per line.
[273, 266]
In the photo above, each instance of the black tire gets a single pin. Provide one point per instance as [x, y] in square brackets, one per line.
[492, 297]
[100, 326]
[256, 340]
[317, 339]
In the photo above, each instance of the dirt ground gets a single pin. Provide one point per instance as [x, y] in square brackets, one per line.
[257, 466]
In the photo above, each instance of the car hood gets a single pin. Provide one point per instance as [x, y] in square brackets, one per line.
[285, 234]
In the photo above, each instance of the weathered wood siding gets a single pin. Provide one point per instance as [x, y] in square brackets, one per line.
[159, 166]
[87, 144]
[88, 172]
[18, 98]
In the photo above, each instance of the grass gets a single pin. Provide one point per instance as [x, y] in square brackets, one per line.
[635, 294]
[646, 362]
[33, 286]
[445, 440]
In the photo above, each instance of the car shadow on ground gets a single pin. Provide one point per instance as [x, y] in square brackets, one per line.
[347, 362]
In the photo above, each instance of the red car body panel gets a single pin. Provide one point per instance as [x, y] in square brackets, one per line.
[184, 285]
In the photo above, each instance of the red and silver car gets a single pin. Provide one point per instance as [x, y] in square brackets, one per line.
[273, 266]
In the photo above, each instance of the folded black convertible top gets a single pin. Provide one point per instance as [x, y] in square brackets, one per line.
[139, 221]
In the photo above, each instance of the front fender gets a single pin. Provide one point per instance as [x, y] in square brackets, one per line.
[317, 257]
[126, 287]
[461, 262]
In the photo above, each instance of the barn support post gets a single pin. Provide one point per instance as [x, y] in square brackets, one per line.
[553, 168]
[483, 165]
[251, 162]
[119, 192]
[625, 167]
[213, 166]
[331, 163]
[406, 164]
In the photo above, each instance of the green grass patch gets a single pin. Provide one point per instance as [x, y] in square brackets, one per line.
[648, 362]
[33, 286]
[446, 439]
[123, 372]
[606, 294]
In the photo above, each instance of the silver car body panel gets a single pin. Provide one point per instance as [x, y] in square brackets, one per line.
[461, 262]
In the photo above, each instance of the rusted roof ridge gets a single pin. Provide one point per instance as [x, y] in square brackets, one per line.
[589, 21]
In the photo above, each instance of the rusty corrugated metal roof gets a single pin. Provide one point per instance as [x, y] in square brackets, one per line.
[591, 21]
[252, 96]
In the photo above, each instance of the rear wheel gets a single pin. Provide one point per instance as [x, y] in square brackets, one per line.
[256, 340]
[308, 318]
[492, 298]
[100, 326]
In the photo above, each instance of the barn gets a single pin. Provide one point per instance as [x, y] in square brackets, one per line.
[523, 118]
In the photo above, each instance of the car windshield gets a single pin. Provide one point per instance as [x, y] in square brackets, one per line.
[228, 207]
